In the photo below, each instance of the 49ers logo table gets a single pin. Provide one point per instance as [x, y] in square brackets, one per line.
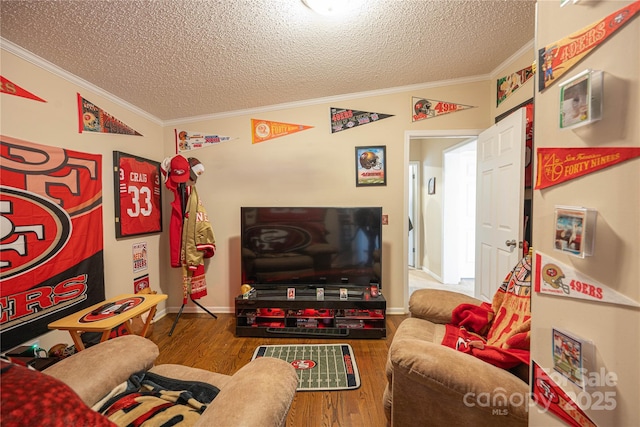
[105, 316]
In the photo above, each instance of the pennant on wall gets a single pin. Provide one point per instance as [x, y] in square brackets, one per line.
[509, 84]
[8, 87]
[559, 57]
[345, 119]
[52, 239]
[556, 278]
[92, 118]
[424, 108]
[556, 165]
[549, 396]
[263, 130]
[187, 140]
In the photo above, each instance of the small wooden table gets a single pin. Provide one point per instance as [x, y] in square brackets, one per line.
[108, 318]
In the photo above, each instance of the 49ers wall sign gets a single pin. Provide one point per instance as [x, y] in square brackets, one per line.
[51, 247]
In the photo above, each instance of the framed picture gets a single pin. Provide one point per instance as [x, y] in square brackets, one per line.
[573, 356]
[371, 166]
[138, 199]
[575, 230]
[581, 99]
[431, 187]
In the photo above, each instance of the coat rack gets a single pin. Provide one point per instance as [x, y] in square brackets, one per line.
[182, 193]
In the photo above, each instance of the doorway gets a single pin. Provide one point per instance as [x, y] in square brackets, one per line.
[427, 149]
[459, 213]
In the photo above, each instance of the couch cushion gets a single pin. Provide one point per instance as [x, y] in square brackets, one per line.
[436, 305]
[31, 398]
[93, 372]
[422, 330]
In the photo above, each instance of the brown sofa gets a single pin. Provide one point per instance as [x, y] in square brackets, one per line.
[431, 384]
[259, 394]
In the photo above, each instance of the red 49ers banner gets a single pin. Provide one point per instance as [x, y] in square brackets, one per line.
[556, 165]
[51, 247]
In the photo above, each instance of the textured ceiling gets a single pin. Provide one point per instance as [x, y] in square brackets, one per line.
[186, 58]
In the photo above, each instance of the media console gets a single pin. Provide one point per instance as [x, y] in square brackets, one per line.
[270, 313]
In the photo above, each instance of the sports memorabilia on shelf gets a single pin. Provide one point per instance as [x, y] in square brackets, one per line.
[575, 230]
[581, 99]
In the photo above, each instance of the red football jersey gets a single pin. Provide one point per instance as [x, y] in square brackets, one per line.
[140, 210]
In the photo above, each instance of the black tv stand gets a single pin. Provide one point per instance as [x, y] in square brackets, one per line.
[270, 313]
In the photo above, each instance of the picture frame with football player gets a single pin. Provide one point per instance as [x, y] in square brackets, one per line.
[371, 166]
[138, 196]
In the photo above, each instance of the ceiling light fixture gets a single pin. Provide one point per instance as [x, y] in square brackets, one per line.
[330, 7]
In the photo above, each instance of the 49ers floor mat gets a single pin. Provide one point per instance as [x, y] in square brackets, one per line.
[319, 366]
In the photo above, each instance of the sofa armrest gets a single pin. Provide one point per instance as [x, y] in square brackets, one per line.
[437, 383]
[436, 305]
[95, 371]
[258, 395]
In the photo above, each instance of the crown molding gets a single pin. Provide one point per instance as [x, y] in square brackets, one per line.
[326, 100]
[529, 47]
[48, 66]
[54, 69]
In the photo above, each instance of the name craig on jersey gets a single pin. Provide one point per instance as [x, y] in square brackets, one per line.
[138, 177]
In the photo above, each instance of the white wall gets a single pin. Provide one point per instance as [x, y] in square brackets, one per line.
[615, 193]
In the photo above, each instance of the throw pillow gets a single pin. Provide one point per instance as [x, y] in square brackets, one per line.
[31, 398]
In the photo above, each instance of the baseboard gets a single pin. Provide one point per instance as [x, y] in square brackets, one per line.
[198, 310]
[432, 274]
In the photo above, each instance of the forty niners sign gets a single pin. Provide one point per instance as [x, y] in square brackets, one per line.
[51, 245]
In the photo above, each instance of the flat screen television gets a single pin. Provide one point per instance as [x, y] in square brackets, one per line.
[311, 247]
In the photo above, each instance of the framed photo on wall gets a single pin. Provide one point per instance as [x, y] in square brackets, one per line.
[371, 166]
[138, 199]
[431, 187]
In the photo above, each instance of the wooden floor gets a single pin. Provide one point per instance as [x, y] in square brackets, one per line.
[203, 342]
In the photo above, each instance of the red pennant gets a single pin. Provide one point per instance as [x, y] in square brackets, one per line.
[10, 88]
[548, 395]
[559, 57]
[556, 165]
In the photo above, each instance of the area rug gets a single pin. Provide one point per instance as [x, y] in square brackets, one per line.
[319, 366]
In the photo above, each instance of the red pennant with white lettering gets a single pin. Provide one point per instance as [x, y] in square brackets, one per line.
[556, 165]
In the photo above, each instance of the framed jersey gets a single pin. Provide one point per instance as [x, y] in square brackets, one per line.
[138, 199]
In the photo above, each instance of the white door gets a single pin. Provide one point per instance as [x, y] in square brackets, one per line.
[500, 202]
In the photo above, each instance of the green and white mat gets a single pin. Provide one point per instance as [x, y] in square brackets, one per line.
[319, 366]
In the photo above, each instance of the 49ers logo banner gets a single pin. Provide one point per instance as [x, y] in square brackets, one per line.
[424, 108]
[556, 165]
[556, 278]
[559, 57]
[51, 248]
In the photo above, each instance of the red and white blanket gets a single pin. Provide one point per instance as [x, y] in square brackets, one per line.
[498, 333]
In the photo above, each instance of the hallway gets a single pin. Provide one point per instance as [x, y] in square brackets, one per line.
[419, 279]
